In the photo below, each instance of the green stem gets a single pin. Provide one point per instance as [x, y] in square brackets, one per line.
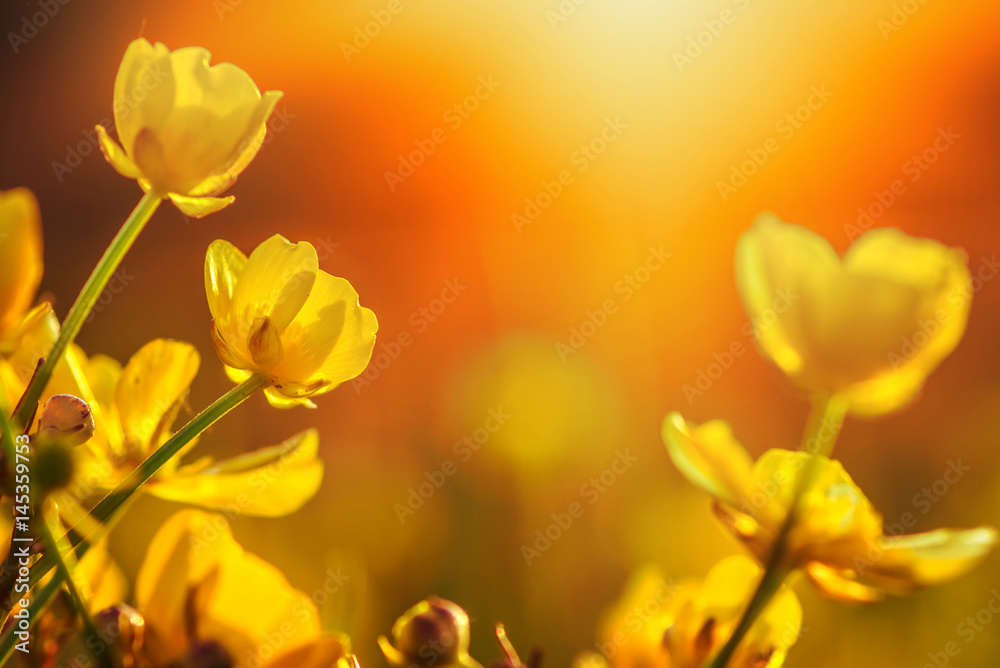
[125, 489]
[820, 436]
[66, 574]
[93, 288]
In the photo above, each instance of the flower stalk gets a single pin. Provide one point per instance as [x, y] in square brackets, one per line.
[823, 427]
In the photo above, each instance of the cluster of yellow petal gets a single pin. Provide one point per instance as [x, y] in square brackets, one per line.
[187, 129]
[135, 407]
[199, 593]
[279, 315]
[658, 624]
[870, 326]
[838, 537]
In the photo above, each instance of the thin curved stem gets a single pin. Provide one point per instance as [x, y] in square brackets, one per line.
[820, 436]
[92, 289]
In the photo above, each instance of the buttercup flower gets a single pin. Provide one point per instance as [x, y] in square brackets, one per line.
[870, 326]
[434, 632]
[838, 538]
[655, 625]
[136, 406]
[277, 314]
[203, 596]
[187, 129]
[26, 334]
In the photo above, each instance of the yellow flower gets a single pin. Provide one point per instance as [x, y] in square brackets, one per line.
[186, 129]
[135, 407]
[838, 538]
[279, 315]
[661, 625]
[202, 594]
[434, 632]
[26, 334]
[870, 326]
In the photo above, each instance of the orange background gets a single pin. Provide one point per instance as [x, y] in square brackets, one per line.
[322, 178]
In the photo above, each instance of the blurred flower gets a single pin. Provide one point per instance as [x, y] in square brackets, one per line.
[681, 626]
[135, 408]
[203, 596]
[279, 315]
[838, 537]
[871, 326]
[434, 632]
[26, 334]
[186, 129]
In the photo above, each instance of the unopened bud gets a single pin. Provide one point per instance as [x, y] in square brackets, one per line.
[434, 632]
[67, 419]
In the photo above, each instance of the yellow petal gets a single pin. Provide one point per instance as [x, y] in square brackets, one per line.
[105, 580]
[840, 585]
[279, 400]
[199, 207]
[151, 387]
[271, 482]
[709, 456]
[275, 282]
[144, 90]
[224, 263]
[115, 155]
[906, 563]
[331, 338]
[245, 150]
[326, 652]
[20, 257]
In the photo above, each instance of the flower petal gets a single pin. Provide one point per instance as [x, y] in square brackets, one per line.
[20, 257]
[709, 456]
[927, 559]
[840, 585]
[275, 282]
[151, 387]
[199, 207]
[271, 482]
[115, 155]
[331, 338]
[224, 263]
[330, 651]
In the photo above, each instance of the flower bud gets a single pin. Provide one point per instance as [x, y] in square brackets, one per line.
[434, 632]
[67, 419]
[53, 466]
